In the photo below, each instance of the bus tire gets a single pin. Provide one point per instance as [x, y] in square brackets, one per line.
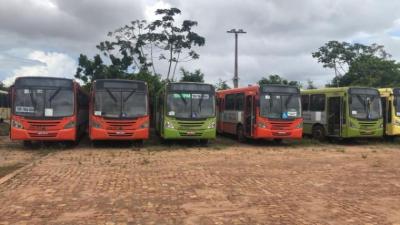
[240, 134]
[318, 133]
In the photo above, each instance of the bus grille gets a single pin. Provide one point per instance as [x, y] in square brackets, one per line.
[280, 125]
[120, 125]
[194, 134]
[190, 125]
[47, 135]
[43, 125]
[367, 125]
[117, 134]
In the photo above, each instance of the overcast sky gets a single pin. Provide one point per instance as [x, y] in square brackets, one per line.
[45, 37]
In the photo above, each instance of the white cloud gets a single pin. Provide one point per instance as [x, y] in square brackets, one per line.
[53, 64]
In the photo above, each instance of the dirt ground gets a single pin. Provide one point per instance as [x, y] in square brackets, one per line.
[224, 183]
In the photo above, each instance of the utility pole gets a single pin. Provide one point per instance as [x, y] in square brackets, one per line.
[236, 77]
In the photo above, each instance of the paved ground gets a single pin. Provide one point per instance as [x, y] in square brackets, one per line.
[222, 184]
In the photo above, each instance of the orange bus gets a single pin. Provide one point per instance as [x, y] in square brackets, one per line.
[47, 109]
[118, 110]
[260, 112]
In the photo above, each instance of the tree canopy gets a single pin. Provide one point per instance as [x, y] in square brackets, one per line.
[276, 79]
[221, 85]
[196, 76]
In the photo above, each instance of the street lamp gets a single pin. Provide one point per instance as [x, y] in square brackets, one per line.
[236, 77]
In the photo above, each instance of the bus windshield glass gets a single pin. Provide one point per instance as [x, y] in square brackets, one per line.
[120, 103]
[190, 105]
[44, 101]
[279, 102]
[365, 104]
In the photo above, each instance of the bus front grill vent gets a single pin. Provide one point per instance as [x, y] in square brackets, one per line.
[120, 125]
[185, 134]
[40, 125]
[280, 125]
[190, 125]
[37, 135]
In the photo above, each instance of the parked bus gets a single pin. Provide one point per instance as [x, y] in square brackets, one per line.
[345, 112]
[260, 112]
[119, 110]
[47, 109]
[186, 110]
[390, 98]
[4, 106]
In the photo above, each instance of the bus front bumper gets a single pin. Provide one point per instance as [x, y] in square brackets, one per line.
[263, 133]
[103, 134]
[355, 133]
[209, 133]
[36, 135]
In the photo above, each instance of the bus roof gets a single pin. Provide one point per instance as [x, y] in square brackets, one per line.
[40, 81]
[331, 90]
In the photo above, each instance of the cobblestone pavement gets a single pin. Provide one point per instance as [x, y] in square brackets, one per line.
[233, 185]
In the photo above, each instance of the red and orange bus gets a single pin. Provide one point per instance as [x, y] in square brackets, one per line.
[47, 109]
[260, 112]
[119, 110]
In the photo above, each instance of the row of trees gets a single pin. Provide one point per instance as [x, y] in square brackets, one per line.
[141, 49]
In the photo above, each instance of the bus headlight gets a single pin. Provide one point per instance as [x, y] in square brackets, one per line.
[169, 125]
[211, 125]
[381, 125]
[17, 124]
[145, 125]
[261, 125]
[96, 124]
[70, 124]
[397, 122]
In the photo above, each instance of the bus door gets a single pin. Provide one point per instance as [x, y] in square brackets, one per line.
[249, 115]
[220, 112]
[386, 111]
[335, 106]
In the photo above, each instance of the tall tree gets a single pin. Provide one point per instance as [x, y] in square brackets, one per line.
[221, 85]
[310, 85]
[339, 55]
[196, 76]
[276, 79]
[371, 71]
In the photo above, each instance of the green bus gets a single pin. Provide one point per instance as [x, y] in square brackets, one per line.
[345, 112]
[186, 110]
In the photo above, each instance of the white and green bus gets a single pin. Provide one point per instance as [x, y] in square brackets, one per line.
[345, 112]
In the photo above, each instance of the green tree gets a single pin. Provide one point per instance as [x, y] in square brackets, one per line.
[276, 79]
[310, 85]
[339, 55]
[196, 76]
[371, 71]
[221, 85]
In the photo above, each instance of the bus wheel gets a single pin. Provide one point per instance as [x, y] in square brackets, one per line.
[318, 133]
[240, 134]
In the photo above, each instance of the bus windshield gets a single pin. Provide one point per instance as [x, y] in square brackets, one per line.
[190, 105]
[44, 101]
[280, 105]
[365, 106]
[120, 103]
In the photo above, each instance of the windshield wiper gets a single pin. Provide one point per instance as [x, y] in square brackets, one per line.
[54, 95]
[112, 96]
[34, 103]
[183, 99]
[200, 101]
[130, 94]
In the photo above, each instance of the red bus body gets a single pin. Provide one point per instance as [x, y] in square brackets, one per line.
[48, 128]
[239, 108]
[103, 127]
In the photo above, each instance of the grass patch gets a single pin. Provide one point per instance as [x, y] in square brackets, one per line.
[4, 170]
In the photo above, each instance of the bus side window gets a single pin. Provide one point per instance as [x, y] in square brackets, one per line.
[230, 102]
[239, 103]
[305, 102]
[317, 102]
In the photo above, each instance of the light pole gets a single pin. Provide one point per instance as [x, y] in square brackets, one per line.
[236, 77]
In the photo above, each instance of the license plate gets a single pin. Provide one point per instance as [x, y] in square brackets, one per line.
[120, 132]
[43, 132]
[190, 132]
